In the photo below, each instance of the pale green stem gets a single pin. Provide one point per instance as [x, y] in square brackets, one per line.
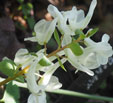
[83, 95]
[45, 47]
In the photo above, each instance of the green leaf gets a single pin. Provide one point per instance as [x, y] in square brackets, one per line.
[82, 36]
[30, 6]
[11, 94]
[76, 49]
[45, 61]
[80, 33]
[25, 10]
[92, 32]
[62, 66]
[20, 1]
[20, 79]
[57, 38]
[20, 7]
[31, 22]
[7, 67]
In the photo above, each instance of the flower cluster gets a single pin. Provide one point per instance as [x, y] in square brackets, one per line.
[85, 57]
[36, 82]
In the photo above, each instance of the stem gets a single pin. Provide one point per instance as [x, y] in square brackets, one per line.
[56, 51]
[26, 68]
[60, 49]
[15, 76]
[45, 47]
[17, 69]
[83, 95]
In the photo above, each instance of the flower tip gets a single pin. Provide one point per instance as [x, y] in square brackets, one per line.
[50, 7]
[105, 38]
[89, 72]
[94, 2]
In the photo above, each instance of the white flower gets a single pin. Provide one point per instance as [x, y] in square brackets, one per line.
[75, 17]
[47, 75]
[33, 98]
[102, 50]
[40, 97]
[74, 60]
[38, 86]
[89, 59]
[62, 21]
[24, 58]
[94, 55]
[44, 30]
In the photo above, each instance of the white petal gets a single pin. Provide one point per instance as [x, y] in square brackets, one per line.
[47, 76]
[66, 40]
[33, 39]
[54, 12]
[21, 52]
[44, 30]
[40, 52]
[30, 76]
[22, 58]
[89, 59]
[103, 49]
[76, 63]
[53, 84]
[80, 15]
[105, 38]
[87, 19]
[51, 29]
[31, 79]
[35, 98]
[102, 60]
[89, 42]
[32, 99]
[71, 14]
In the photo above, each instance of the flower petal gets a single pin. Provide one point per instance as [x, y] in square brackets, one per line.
[102, 50]
[82, 24]
[22, 57]
[33, 39]
[47, 75]
[66, 40]
[105, 38]
[35, 98]
[53, 84]
[30, 76]
[54, 12]
[76, 63]
[44, 30]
